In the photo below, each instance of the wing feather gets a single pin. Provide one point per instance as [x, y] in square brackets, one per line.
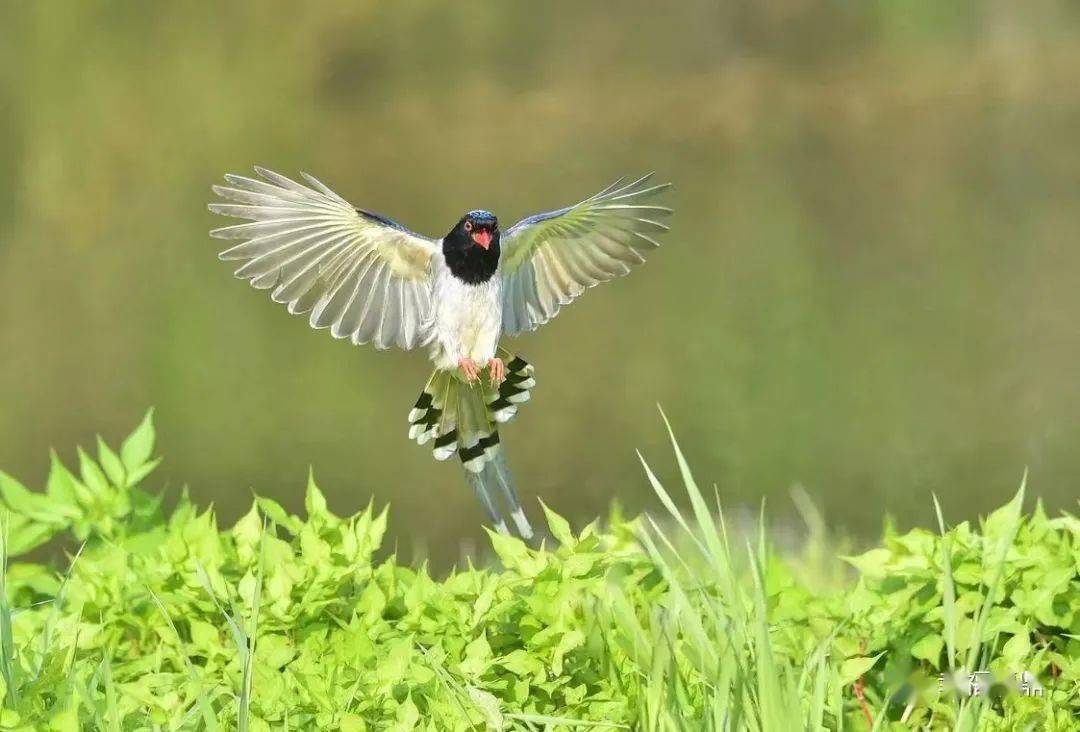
[550, 259]
[371, 326]
[350, 323]
[345, 298]
[328, 309]
[362, 275]
[390, 317]
[306, 269]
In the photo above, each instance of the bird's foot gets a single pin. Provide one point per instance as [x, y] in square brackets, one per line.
[496, 370]
[470, 369]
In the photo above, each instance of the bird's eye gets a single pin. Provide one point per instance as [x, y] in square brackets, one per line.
[468, 226]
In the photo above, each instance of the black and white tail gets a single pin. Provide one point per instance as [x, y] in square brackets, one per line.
[458, 417]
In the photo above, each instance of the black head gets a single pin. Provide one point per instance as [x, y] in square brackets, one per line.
[471, 248]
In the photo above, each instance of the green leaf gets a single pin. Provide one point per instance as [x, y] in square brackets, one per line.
[248, 530]
[1016, 650]
[134, 477]
[26, 534]
[488, 704]
[110, 462]
[34, 506]
[314, 501]
[62, 485]
[512, 552]
[872, 563]
[519, 662]
[275, 651]
[478, 650]
[852, 668]
[560, 527]
[139, 445]
[92, 477]
[407, 716]
[352, 723]
[929, 648]
[277, 514]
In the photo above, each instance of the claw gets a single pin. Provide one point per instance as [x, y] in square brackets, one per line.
[497, 370]
[470, 369]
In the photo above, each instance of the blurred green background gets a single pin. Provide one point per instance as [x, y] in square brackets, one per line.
[871, 286]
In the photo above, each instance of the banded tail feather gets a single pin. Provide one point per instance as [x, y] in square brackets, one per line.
[515, 390]
[463, 418]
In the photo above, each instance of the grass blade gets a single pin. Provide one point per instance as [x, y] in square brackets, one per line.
[7, 641]
[948, 601]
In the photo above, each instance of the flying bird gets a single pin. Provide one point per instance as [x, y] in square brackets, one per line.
[371, 280]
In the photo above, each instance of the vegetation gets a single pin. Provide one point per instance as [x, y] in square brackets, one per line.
[163, 620]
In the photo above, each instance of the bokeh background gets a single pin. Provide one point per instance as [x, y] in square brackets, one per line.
[871, 286]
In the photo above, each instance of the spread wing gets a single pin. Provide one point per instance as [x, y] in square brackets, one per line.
[365, 277]
[551, 258]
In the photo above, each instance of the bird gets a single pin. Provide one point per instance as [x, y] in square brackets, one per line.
[369, 279]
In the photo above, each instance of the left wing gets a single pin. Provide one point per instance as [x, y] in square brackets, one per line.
[551, 258]
[361, 275]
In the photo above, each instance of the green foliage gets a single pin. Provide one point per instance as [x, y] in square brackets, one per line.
[166, 621]
[1004, 598]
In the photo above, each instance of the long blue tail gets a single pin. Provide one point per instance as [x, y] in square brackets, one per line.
[463, 418]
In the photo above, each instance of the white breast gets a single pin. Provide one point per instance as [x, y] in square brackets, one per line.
[468, 319]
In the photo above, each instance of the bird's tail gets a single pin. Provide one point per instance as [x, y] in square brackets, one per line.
[458, 417]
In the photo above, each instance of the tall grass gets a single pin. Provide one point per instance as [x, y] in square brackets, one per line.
[725, 634]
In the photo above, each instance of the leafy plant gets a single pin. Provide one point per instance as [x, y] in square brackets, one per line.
[668, 622]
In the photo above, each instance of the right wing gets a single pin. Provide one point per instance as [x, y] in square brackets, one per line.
[365, 277]
[550, 259]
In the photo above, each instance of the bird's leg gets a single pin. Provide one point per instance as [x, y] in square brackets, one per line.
[470, 368]
[496, 370]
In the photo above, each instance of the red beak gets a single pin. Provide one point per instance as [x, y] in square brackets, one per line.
[482, 237]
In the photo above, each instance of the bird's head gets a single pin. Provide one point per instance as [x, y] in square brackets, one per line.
[471, 249]
[477, 228]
